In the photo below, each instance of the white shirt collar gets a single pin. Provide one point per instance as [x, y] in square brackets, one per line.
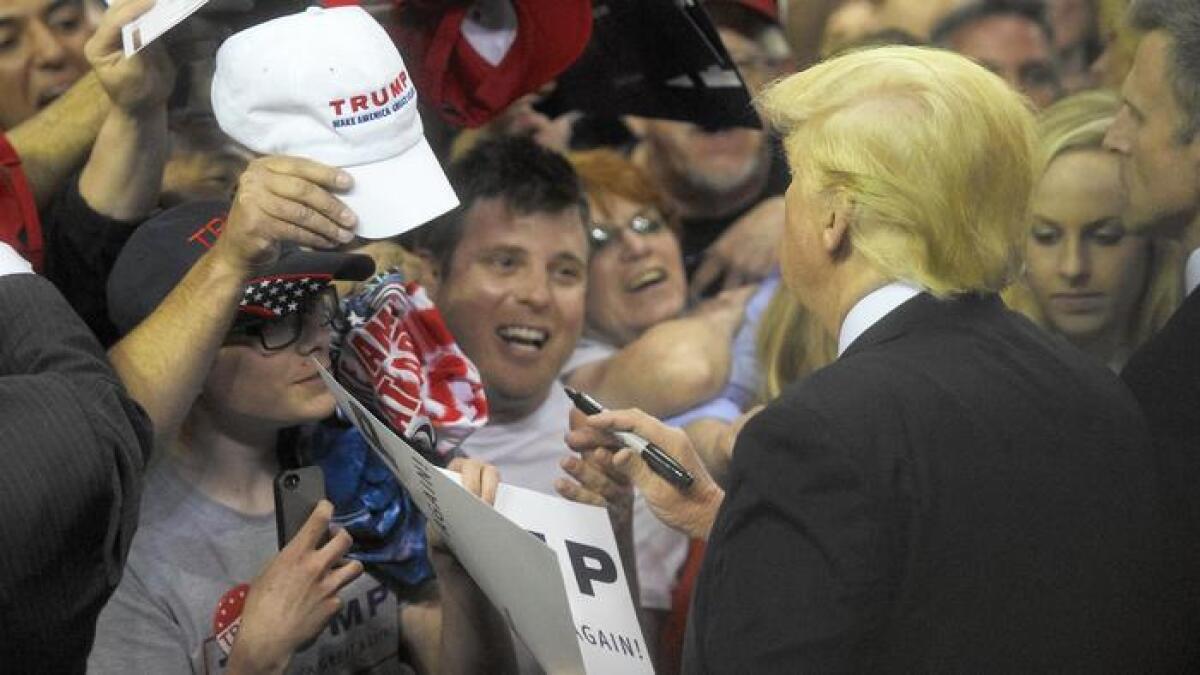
[1192, 273]
[871, 308]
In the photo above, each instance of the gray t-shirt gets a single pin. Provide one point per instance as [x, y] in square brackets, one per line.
[178, 606]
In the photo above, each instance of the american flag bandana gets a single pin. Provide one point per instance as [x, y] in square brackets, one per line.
[277, 296]
[400, 360]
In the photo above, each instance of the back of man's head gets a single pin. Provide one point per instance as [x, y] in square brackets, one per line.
[1033, 11]
[1180, 19]
[934, 153]
[526, 176]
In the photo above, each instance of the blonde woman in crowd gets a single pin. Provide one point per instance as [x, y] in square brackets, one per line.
[1086, 278]
[790, 345]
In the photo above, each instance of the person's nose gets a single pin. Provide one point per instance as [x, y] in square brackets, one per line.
[1073, 264]
[48, 49]
[633, 245]
[316, 336]
[533, 289]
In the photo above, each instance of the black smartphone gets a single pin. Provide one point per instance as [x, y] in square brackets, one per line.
[297, 492]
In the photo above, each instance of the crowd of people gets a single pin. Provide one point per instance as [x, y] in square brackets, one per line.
[924, 331]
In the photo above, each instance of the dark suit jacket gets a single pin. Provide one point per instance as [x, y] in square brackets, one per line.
[73, 447]
[1164, 376]
[959, 492]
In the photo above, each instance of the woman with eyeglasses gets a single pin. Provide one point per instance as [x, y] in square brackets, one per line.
[644, 347]
[206, 587]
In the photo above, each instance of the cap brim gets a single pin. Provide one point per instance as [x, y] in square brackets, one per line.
[342, 266]
[398, 194]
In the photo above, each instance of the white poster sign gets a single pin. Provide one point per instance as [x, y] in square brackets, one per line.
[516, 571]
[550, 565]
[605, 619]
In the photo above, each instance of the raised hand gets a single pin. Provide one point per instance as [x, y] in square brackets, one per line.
[139, 82]
[294, 597]
[284, 199]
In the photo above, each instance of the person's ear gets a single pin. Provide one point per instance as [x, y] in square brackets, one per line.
[835, 233]
[431, 272]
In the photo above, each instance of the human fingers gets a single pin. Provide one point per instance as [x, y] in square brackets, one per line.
[328, 177]
[470, 471]
[577, 493]
[335, 549]
[107, 37]
[489, 483]
[338, 577]
[593, 477]
[629, 464]
[312, 195]
[584, 474]
[602, 459]
[302, 224]
[634, 420]
[584, 437]
[314, 528]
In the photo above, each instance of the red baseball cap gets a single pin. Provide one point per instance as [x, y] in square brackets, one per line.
[460, 83]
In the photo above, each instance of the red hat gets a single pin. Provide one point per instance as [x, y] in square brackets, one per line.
[465, 87]
[767, 8]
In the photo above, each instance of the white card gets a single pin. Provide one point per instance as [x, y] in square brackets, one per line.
[165, 15]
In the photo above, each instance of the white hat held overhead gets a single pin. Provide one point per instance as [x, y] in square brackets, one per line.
[329, 85]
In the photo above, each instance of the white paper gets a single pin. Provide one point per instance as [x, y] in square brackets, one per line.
[164, 16]
[606, 622]
[517, 572]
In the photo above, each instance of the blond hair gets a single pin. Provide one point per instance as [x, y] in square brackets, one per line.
[934, 153]
[790, 344]
[1079, 123]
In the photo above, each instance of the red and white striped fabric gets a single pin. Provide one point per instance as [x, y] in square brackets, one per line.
[399, 358]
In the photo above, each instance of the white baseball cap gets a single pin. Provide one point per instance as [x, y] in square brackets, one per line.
[329, 85]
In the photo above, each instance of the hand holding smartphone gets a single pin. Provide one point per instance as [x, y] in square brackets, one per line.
[297, 492]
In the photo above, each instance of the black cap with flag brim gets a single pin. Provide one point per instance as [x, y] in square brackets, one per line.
[164, 248]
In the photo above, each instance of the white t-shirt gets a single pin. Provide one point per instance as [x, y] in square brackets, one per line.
[527, 453]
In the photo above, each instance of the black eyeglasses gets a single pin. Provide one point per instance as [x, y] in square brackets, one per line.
[602, 235]
[281, 333]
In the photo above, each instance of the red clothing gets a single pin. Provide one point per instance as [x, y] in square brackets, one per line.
[19, 224]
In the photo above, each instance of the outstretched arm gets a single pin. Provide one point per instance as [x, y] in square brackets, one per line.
[674, 365]
[53, 143]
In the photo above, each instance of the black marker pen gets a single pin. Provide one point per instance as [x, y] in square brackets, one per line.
[655, 457]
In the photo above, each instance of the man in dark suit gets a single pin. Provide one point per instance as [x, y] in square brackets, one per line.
[958, 491]
[73, 447]
[1157, 137]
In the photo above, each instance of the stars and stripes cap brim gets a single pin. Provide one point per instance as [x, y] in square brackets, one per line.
[298, 274]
